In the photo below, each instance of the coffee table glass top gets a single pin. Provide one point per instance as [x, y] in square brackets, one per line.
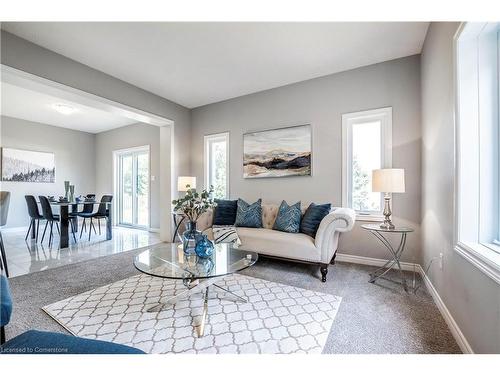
[168, 260]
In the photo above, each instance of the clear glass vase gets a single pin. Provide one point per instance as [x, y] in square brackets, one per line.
[190, 237]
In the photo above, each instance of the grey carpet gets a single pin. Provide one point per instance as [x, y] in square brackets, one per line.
[373, 318]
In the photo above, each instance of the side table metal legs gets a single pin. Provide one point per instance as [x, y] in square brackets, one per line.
[396, 256]
[177, 225]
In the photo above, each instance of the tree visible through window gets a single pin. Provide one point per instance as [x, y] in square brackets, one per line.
[367, 145]
[216, 164]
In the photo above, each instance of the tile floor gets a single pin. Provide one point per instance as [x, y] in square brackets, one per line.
[29, 256]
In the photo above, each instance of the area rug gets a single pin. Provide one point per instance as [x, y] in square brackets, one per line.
[277, 318]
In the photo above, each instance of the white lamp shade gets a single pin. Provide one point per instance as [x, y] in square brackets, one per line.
[183, 181]
[388, 180]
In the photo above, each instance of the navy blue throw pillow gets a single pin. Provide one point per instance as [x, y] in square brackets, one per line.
[225, 212]
[249, 215]
[312, 218]
[288, 218]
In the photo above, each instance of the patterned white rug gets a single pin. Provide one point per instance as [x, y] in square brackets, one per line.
[277, 319]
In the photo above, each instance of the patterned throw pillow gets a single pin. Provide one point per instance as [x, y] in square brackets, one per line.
[225, 234]
[288, 219]
[312, 218]
[249, 215]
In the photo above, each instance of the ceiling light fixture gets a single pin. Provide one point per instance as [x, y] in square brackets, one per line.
[64, 108]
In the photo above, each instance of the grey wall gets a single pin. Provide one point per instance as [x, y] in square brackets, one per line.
[71, 164]
[321, 102]
[127, 137]
[24, 55]
[472, 298]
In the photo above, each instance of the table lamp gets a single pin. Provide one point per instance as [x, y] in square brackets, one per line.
[391, 180]
[185, 183]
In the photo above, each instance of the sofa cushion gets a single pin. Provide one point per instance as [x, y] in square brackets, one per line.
[39, 342]
[225, 212]
[249, 215]
[269, 213]
[312, 218]
[280, 244]
[288, 219]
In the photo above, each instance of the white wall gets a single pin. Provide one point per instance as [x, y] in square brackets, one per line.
[74, 157]
[127, 137]
[321, 103]
[472, 298]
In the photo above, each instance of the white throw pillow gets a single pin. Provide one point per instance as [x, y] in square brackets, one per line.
[226, 234]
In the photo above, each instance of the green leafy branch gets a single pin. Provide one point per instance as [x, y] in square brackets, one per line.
[194, 204]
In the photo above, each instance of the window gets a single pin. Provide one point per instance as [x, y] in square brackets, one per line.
[132, 186]
[366, 145]
[477, 232]
[217, 164]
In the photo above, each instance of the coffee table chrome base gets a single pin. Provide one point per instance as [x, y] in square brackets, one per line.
[396, 256]
[193, 287]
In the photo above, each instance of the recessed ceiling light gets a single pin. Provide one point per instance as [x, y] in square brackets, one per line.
[64, 108]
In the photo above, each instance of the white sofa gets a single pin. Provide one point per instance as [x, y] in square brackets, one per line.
[294, 246]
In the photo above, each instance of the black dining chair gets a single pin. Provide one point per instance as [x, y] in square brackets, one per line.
[51, 218]
[101, 213]
[88, 208]
[34, 214]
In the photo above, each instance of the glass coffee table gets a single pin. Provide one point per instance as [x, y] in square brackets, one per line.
[168, 261]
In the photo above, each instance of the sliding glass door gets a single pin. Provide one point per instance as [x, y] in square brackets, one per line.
[132, 186]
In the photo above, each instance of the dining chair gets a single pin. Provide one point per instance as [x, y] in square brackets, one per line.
[101, 213]
[34, 215]
[51, 218]
[4, 210]
[88, 208]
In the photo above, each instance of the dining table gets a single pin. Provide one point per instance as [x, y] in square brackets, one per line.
[65, 217]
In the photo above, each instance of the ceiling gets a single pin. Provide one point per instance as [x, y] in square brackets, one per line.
[194, 64]
[35, 106]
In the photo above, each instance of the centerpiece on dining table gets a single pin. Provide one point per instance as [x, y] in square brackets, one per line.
[192, 206]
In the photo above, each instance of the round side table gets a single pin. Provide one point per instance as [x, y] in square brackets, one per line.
[379, 232]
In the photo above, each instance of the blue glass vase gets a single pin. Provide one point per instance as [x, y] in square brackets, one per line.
[204, 247]
[190, 238]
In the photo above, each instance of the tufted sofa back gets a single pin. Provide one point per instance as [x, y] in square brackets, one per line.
[269, 213]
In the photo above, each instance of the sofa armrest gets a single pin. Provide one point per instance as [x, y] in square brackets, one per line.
[338, 221]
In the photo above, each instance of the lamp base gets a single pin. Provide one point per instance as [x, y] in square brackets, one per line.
[387, 224]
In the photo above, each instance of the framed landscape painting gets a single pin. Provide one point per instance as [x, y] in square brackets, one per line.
[28, 166]
[278, 152]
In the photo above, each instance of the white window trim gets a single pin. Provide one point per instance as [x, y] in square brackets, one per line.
[206, 139]
[385, 116]
[483, 257]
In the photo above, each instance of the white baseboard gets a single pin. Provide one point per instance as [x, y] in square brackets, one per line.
[452, 324]
[448, 318]
[15, 229]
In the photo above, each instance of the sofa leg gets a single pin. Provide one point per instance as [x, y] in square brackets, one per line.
[324, 270]
[333, 259]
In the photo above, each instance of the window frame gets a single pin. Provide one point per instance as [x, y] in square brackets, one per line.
[384, 115]
[207, 139]
[468, 240]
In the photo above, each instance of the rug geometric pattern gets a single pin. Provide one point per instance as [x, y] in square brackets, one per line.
[277, 318]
